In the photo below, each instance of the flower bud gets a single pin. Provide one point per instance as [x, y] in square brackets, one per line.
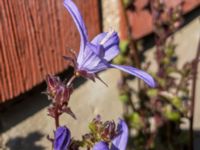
[108, 130]
[62, 138]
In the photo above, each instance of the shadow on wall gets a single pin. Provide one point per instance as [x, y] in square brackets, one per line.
[26, 143]
[26, 105]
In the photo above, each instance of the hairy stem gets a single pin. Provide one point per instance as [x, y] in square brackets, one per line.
[71, 80]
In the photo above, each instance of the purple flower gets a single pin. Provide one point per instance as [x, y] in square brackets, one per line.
[119, 142]
[62, 138]
[94, 56]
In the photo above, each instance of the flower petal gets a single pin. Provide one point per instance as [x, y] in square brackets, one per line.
[101, 146]
[62, 138]
[110, 44]
[92, 63]
[120, 142]
[76, 16]
[136, 72]
[97, 39]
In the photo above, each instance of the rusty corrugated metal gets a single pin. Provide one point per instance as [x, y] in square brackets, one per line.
[34, 35]
[140, 18]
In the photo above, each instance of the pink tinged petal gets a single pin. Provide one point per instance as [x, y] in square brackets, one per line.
[101, 146]
[76, 16]
[120, 142]
[62, 138]
[136, 72]
[110, 44]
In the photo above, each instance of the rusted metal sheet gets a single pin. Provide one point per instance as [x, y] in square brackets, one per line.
[34, 35]
[140, 18]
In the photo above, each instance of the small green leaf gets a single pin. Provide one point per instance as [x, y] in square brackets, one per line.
[161, 82]
[152, 92]
[166, 61]
[170, 51]
[171, 70]
[170, 114]
[176, 101]
[119, 60]
[92, 127]
[136, 121]
[123, 45]
[124, 97]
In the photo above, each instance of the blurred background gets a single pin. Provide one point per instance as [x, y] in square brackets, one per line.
[34, 35]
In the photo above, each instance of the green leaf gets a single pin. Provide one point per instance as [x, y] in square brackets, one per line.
[124, 97]
[171, 70]
[152, 92]
[170, 114]
[119, 60]
[92, 127]
[161, 82]
[136, 121]
[176, 101]
[123, 45]
[170, 51]
[166, 61]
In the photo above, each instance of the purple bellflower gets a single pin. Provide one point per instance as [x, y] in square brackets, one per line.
[62, 138]
[119, 142]
[95, 56]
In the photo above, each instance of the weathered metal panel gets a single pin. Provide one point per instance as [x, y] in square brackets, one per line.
[34, 35]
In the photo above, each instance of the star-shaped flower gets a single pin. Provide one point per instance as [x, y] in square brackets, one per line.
[95, 56]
